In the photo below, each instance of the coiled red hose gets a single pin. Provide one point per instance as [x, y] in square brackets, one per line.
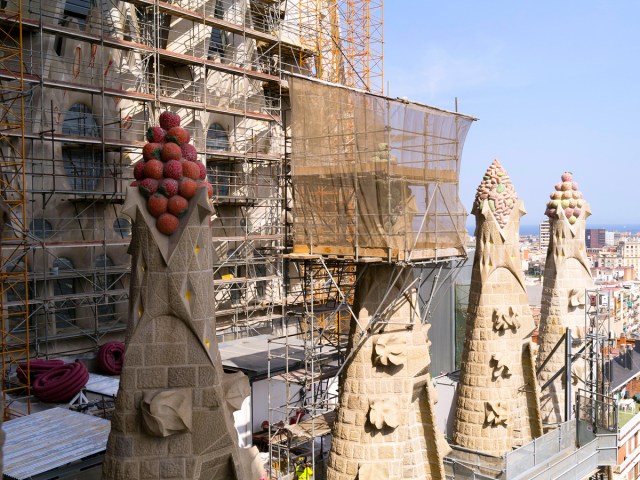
[62, 383]
[36, 368]
[111, 357]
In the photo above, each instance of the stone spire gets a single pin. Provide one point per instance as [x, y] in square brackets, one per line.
[173, 416]
[497, 406]
[566, 277]
[385, 426]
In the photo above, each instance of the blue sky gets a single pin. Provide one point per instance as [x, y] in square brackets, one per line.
[555, 85]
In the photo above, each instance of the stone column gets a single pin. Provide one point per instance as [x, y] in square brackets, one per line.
[173, 416]
[497, 395]
[385, 426]
[566, 277]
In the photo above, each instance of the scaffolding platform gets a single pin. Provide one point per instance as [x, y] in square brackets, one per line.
[256, 356]
[103, 385]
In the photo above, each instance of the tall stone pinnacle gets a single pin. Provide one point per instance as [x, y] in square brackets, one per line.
[173, 416]
[566, 277]
[497, 407]
[385, 426]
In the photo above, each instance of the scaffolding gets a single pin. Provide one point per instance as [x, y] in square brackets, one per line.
[373, 181]
[303, 392]
[598, 342]
[14, 312]
[342, 42]
[90, 78]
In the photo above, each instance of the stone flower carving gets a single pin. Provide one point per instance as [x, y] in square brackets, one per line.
[500, 368]
[167, 412]
[495, 413]
[373, 472]
[384, 412]
[576, 298]
[390, 349]
[505, 319]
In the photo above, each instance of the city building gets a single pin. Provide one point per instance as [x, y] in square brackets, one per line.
[595, 237]
[629, 249]
[544, 232]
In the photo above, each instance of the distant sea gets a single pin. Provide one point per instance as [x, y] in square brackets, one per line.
[534, 229]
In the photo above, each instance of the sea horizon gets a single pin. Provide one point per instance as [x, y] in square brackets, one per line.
[611, 227]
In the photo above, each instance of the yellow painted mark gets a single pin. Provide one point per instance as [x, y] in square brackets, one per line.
[207, 343]
[140, 311]
[197, 249]
[188, 295]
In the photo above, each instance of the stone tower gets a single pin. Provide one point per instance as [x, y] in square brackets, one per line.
[566, 277]
[497, 407]
[385, 426]
[173, 415]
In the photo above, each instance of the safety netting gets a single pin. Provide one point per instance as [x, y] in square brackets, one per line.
[374, 176]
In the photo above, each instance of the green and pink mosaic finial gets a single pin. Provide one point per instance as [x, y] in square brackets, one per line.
[497, 191]
[566, 200]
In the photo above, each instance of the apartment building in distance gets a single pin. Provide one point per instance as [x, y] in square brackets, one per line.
[545, 231]
[595, 237]
[629, 250]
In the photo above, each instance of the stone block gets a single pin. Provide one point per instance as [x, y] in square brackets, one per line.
[172, 467]
[207, 376]
[153, 377]
[123, 447]
[149, 469]
[181, 377]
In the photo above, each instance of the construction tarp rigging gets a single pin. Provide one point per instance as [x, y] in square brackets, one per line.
[374, 176]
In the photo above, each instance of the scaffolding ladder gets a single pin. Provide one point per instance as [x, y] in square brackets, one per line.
[14, 310]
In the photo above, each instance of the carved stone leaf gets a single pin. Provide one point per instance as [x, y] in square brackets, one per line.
[576, 298]
[167, 412]
[391, 349]
[384, 412]
[500, 368]
[495, 413]
[505, 319]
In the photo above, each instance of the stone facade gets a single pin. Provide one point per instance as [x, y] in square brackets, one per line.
[385, 426]
[566, 276]
[173, 418]
[497, 406]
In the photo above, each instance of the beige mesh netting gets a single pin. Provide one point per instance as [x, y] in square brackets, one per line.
[374, 176]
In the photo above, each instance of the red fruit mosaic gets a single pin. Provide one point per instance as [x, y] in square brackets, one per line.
[189, 152]
[169, 173]
[156, 134]
[178, 135]
[187, 187]
[173, 169]
[171, 151]
[177, 205]
[203, 171]
[168, 187]
[169, 119]
[157, 204]
[191, 170]
[138, 169]
[152, 150]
